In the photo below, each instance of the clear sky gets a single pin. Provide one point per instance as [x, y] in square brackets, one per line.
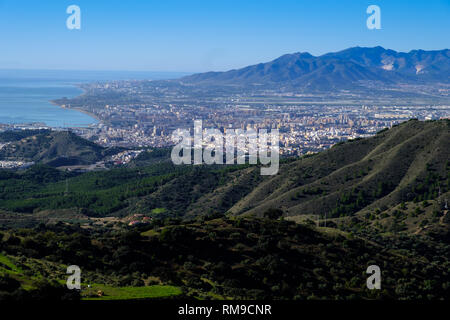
[194, 35]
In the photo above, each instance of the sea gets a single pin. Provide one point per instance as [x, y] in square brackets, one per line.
[25, 94]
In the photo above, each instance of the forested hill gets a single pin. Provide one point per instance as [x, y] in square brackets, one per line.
[407, 166]
[408, 162]
[45, 146]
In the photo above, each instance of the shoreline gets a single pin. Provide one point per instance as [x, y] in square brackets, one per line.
[49, 103]
[92, 115]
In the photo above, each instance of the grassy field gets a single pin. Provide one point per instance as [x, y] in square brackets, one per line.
[5, 262]
[109, 292]
[158, 210]
[150, 233]
[130, 293]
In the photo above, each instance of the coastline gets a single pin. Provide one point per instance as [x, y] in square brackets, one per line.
[90, 114]
[21, 109]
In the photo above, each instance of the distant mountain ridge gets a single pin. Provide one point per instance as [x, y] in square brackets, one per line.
[337, 70]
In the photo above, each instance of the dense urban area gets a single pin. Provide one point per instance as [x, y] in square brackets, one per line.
[146, 116]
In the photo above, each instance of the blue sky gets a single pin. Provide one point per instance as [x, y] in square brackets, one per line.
[194, 36]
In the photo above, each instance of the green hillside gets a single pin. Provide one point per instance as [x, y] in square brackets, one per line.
[11, 136]
[53, 147]
[408, 163]
[223, 258]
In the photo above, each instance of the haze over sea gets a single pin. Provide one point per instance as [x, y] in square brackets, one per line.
[25, 94]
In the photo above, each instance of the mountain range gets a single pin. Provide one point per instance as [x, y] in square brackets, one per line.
[337, 70]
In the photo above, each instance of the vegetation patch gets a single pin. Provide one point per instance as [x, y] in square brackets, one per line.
[104, 292]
